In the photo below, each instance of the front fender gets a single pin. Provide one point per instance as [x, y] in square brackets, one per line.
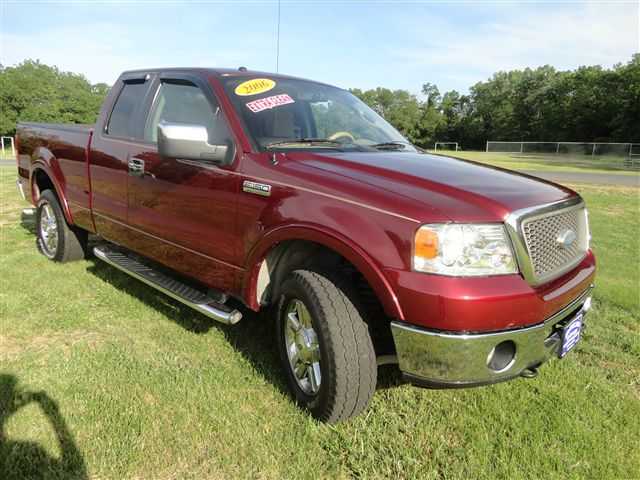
[330, 239]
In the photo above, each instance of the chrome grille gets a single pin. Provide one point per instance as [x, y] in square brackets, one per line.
[548, 255]
[542, 238]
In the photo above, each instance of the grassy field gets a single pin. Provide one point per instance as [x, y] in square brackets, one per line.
[102, 377]
[543, 162]
[6, 154]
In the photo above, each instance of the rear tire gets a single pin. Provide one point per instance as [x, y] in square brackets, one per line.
[57, 240]
[325, 347]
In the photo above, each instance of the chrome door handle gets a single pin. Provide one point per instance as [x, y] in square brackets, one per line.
[136, 167]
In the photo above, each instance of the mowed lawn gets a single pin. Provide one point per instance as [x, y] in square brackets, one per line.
[531, 161]
[102, 377]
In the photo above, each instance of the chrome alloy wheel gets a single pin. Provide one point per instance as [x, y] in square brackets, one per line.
[48, 230]
[302, 347]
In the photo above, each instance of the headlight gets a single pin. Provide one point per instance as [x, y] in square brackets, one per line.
[470, 249]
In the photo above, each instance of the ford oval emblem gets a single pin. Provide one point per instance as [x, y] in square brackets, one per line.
[566, 238]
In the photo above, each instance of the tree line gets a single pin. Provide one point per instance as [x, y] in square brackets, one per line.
[589, 104]
[34, 92]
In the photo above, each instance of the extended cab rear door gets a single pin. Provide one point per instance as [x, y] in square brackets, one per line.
[109, 154]
[182, 213]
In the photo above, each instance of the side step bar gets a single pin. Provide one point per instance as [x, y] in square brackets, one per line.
[199, 301]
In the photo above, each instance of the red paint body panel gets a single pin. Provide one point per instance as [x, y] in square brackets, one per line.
[486, 303]
[333, 240]
[465, 191]
[366, 206]
[199, 203]
[60, 152]
[108, 170]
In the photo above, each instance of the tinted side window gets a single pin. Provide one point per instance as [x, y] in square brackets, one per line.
[120, 124]
[185, 103]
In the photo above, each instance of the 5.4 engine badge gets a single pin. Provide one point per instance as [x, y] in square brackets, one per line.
[257, 188]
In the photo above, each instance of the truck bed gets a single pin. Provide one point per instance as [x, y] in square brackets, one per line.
[67, 127]
[62, 148]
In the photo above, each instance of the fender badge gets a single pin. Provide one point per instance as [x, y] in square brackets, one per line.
[257, 188]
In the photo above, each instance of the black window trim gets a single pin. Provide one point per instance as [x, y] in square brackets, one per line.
[144, 78]
[143, 109]
[184, 78]
[175, 80]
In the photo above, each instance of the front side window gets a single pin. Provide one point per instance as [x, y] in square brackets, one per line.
[184, 103]
[276, 111]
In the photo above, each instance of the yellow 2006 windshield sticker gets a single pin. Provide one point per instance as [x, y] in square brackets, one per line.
[255, 86]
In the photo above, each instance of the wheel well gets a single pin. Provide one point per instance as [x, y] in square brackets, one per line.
[290, 255]
[42, 182]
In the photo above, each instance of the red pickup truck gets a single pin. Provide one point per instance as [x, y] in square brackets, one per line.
[286, 193]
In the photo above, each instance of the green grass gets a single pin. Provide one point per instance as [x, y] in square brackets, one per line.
[139, 386]
[6, 154]
[543, 162]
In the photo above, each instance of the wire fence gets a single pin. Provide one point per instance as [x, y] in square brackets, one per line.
[616, 155]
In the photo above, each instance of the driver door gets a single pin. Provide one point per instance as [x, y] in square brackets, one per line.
[182, 213]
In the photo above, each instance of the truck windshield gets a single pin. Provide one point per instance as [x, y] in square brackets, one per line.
[302, 115]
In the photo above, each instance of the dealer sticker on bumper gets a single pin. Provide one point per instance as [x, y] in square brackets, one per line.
[571, 335]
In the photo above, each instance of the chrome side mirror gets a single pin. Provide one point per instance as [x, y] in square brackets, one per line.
[190, 141]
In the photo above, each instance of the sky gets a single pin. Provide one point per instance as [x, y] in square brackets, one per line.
[350, 44]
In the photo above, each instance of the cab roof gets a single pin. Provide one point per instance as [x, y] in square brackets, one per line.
[223, 72]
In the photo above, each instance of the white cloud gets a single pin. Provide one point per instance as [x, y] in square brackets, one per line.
[95, 50]
[128, 36]
[359, 45]
[520, 37]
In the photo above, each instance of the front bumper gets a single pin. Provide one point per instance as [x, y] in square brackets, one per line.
[440, 359]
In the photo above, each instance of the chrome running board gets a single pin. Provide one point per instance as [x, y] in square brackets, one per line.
[199, 301]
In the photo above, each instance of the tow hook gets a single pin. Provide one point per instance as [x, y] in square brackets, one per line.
[529, 373]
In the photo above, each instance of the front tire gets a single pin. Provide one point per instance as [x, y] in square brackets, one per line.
[325, 347]
[56, 239]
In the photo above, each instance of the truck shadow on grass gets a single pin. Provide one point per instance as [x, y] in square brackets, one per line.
[253, 337]
[21, 459]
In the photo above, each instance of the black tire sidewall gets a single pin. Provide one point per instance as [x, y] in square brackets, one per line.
[291, 289]
[48, 197]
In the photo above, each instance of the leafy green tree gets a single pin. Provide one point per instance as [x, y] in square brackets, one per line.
[431, 116]
[34, 92]
[398, 107]
[454, 124]
[625, 122]
[431, 92]
[588, 104]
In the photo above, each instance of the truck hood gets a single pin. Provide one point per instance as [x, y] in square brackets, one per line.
[459, 189]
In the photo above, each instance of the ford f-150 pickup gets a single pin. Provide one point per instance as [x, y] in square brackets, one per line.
[295, 197]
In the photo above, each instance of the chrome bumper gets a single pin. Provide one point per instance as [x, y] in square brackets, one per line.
[21, 188]
[440, 359]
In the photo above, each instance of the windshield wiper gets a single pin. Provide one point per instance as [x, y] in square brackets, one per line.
[389, 146]
[396, 145]
[299, 141]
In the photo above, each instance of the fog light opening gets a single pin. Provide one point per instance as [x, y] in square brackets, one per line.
[502, 356]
